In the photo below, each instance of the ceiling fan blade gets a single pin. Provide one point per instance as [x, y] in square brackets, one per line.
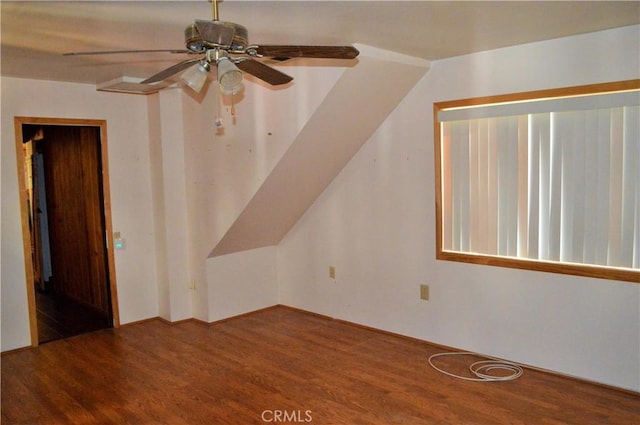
[328, 52]
[215, 32]
[168, 72]
[115, 52]
[264, 72]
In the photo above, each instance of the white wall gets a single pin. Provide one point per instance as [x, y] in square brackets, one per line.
[224, 169]
[242, 282]
[229, 165]
[170, 205]
[131, 208]
[376, 224]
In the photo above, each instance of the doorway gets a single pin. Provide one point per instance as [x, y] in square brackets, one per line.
[66, 227]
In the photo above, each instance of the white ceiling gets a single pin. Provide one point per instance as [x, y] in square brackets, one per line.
[35, 34]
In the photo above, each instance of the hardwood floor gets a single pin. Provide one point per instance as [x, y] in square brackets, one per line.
[60, 317]
[278, 366]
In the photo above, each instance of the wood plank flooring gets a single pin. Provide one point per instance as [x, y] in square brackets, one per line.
[61, 317]
[278, 366]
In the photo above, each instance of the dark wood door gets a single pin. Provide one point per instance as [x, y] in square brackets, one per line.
[72, 167]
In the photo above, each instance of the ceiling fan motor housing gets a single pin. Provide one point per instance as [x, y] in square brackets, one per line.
[240, 39]
[192, 39]
[217, 34]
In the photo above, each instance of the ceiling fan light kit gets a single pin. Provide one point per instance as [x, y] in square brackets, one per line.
[229, 76]
[196, 76]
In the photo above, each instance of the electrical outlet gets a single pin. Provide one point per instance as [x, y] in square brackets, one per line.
[424, 292]
[332, 272]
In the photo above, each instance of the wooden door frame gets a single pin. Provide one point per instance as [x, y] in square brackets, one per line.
[24, 213]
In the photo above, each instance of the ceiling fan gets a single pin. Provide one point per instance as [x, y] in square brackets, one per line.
[225, 45]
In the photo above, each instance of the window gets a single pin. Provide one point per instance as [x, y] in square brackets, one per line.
[546, 180]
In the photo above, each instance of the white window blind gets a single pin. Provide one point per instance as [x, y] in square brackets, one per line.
[559, 186]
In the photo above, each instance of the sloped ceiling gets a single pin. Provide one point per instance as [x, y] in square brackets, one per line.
[360, 101]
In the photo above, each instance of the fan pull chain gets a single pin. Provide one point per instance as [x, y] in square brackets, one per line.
[218, 121]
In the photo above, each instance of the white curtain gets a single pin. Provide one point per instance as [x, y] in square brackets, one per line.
[554, 186]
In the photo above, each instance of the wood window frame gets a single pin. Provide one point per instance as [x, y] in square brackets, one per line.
[585, 270]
